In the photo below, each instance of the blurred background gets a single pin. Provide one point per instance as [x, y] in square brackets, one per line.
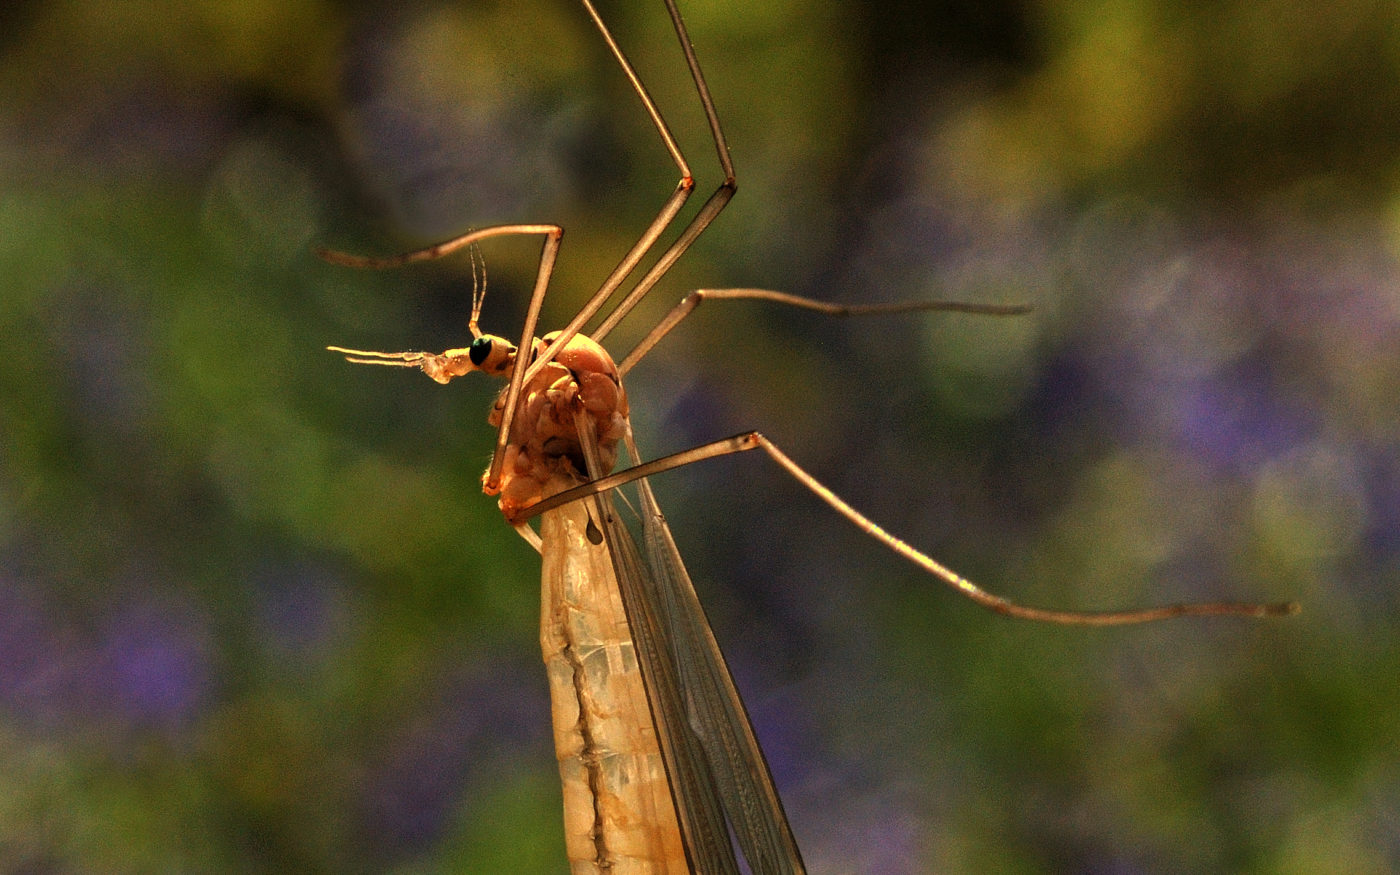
[256, 616]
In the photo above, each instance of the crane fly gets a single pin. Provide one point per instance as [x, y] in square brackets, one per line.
[660, 767]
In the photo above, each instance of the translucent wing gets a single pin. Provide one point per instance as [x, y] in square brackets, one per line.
[716, 768]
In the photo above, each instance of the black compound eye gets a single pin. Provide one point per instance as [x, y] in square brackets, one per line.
[479, 351]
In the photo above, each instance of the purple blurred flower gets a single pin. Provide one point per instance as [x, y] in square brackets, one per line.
[154, 665]
[147, 668]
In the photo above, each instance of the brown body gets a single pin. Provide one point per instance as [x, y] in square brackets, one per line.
[619, 817]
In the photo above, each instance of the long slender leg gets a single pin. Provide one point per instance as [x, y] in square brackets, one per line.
[437, 250]
[707, 213]
[492, 482]
[693, 300]
[755, 441]
[712, 207]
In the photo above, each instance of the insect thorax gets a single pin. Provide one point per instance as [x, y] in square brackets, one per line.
[544, 455]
